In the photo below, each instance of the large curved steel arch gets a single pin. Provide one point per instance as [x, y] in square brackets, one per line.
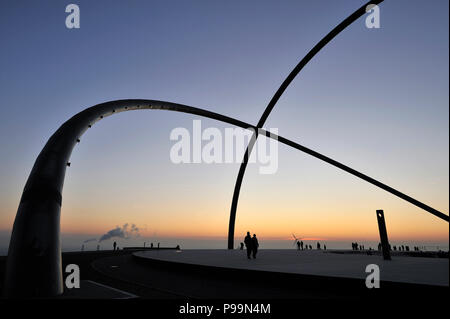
[35, 238]
[34, 246]
[325, 40]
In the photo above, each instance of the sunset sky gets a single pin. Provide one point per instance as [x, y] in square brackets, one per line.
[374, 99]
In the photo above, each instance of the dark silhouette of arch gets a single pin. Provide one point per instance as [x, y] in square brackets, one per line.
[35, 238]
[330, 36]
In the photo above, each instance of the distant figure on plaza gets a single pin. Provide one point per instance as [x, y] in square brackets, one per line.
[298, 245]
[151, 245]
[242, 246]
[158, 245]
[324, 247]
[248, 244]
[310, 247]
[255, 245]
[318, 246]
[178, 247]
[114, 245]
[301, 245]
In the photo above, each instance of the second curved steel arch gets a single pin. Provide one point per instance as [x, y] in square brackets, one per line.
[325, 40]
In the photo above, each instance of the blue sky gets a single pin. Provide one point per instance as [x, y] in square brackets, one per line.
[374, 99]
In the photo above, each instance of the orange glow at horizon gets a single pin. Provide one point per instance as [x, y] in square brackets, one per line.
[326, 204]
[198, 222]
[317, 226]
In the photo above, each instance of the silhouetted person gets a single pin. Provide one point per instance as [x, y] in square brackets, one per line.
[114, 246]
[318, 246]
[298, 245]
[379, 247]
[255, 245]
[151, 245]
[178, 247]
[324, 247]
[248, 244]
[310, 247]
[301, 244]
[158, 245]
[242, 246]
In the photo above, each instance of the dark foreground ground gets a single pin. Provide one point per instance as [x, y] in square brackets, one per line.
[162, 280]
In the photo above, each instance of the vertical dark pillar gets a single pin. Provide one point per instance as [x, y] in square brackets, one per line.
[385, 247]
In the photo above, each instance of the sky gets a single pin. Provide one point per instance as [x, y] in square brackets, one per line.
[374, 99]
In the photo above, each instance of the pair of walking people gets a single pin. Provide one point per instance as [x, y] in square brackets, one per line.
[251, 243]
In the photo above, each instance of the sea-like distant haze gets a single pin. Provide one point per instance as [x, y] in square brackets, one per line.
[77, 242]
[374, 99]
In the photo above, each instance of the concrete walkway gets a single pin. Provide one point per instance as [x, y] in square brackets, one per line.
[416, 270]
